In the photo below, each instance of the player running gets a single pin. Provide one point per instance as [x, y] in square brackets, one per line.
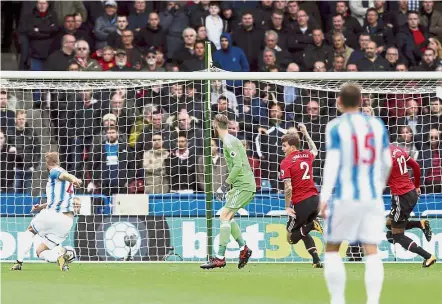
[55, 219]
[357, 167]
[242, 183]
[301, 194]
[405, 195]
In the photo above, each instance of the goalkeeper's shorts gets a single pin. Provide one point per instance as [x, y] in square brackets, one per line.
[237, 199]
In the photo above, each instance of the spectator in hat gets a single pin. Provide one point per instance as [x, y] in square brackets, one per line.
[152, 35]
[138, 18]
[105, 25]
[150, 59]
[82, 52]
[60, 59]
[121, 62]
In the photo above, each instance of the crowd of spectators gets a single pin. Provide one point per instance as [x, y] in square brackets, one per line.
[115, 138]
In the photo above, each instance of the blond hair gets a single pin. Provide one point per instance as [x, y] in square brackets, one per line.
[222, 121]
[52, 158]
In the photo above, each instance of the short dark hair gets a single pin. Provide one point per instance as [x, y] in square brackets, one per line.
[350, 95]
[412, 12]
[338, 15]
[222, 97]
[429, 49]
[246, 12]
[292, 139]
[372, 9]
[200, 42]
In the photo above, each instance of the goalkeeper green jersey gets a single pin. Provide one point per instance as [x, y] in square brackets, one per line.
[240, 174]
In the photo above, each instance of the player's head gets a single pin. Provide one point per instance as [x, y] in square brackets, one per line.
[76, 203]
[349, 97]
[220, 124]
[52, 159]
[290, 143]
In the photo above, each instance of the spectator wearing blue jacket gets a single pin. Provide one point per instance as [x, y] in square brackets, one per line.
[230, 58]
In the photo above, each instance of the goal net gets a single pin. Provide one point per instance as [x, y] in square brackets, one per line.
[144, 148]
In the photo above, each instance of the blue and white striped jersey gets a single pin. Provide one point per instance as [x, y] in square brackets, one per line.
[59, 193]
[358, 161]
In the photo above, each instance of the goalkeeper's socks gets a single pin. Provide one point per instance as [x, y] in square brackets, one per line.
[236, 233]
[224, 238]
[335, 277]
[311, 248]
[27, 240]
[410, 245]
[413, 224]
[374, 277]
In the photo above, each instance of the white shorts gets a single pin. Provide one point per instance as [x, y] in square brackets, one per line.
[355, 221]
[52, 226]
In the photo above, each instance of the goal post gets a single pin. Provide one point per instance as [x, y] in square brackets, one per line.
[164, 196]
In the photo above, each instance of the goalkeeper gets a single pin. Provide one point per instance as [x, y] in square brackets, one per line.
[241, 182]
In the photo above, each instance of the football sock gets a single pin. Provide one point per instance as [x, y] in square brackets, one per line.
[413, 224]
[27, 240]
[49, 256]
[335, 277]
[311, 248]
[224, 238]
[374, 277]
[410, 245]
[236, 233]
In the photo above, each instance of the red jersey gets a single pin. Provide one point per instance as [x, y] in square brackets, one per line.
[298, 166]
[399, 181]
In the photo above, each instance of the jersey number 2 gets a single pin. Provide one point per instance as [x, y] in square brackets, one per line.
[304, 166]
[367, 146]
[70, 189]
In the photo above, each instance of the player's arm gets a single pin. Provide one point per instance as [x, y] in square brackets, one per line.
[331, 167]
[416, 173]
[310, 142]
[64, 176]
[386, 156]
[288, 197]
[38, 207]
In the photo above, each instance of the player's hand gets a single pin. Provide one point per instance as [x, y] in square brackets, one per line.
[36, 208]
[418, 190]
[220, 194]
[77, 183]
[302, 128]
[91, 187]
[322, 208]
[290, 212]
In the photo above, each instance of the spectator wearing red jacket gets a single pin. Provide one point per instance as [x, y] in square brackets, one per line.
[105, 58]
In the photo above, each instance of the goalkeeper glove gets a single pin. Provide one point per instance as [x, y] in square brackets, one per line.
[220, 194]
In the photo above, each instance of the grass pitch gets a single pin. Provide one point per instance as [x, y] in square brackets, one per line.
[186, 283]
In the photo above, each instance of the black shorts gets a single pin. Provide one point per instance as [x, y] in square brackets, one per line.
[401, 207]
[306, 212]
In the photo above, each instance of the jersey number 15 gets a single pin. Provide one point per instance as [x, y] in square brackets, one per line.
[368, 146]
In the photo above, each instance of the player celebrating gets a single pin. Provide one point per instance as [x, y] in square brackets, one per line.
[357, 167]
[404, 197]
[301, 195]
[55, 219]
[243, 188]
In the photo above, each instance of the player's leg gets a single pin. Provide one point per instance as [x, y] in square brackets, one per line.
[341, 224]
[334, 273]
[400, 214]
[27, 241]
[370, 234]
[374, 273]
